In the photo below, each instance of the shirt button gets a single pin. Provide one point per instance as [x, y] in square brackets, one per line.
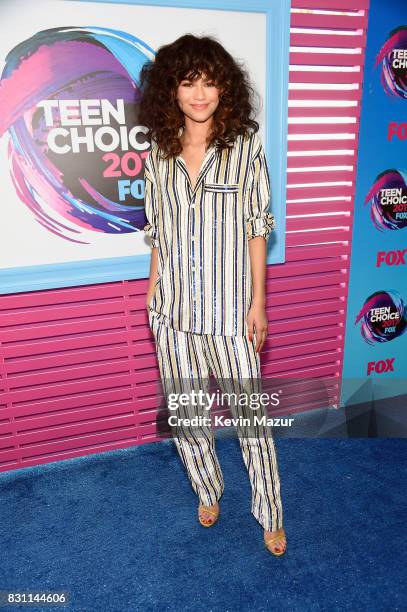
[192, 237]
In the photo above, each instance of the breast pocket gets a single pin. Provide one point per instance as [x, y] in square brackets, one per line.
[221, 187]
[223, 204]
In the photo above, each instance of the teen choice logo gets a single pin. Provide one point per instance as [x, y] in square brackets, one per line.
[393, 57]
[388, 200]
[69, 99]
[383, 317]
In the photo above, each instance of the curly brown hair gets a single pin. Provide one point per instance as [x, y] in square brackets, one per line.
[189, 57]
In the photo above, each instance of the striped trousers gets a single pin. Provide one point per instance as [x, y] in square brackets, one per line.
[189, 359]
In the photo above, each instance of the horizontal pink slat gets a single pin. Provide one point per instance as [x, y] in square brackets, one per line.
[325, 367]
[342, 41]
[327, 111]
[348, 142]
[306, 268]
[322, 176]
[317, 252]
[312, 208]
[339, 22]
[327, 94]
[309, 307]
[301, 404]
[302, 389]
[321, 346]
[293, 282]
[325, 76]
[321, 192]
[301, 161]
[298, 391]
[326, 59]
[304, 238]
[303, 338]
[301, 313]
[339, 41]
[322, 128]
[305, 361]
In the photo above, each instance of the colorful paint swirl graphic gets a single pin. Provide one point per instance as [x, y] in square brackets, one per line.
[394, 65]
[70, 193]
[383, 317]
[388, 198]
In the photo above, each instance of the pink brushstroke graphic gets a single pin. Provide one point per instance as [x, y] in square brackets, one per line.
[387, 216]
[67, 192]
[394, 80]
[374, 331]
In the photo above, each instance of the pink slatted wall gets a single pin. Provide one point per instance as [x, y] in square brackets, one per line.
[78, 365]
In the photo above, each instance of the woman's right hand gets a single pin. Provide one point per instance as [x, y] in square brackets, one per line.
[153, 279]
[148, 300]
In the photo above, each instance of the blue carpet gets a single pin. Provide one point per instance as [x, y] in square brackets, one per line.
[118, 530]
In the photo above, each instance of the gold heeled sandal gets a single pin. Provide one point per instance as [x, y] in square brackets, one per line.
[214, 513]
[280, 535]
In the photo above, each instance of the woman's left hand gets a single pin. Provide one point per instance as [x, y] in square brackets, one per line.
[257, 319]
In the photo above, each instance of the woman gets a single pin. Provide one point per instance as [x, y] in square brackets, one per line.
[206, 197]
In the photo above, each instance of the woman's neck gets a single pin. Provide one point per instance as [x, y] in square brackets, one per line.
[195, 134]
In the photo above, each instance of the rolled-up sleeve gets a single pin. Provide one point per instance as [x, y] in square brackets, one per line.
[259, 219]
[151, 203]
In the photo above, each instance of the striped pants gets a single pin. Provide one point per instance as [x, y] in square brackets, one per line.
[189, 358]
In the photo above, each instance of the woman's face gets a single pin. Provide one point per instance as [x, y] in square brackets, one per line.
[198, 98]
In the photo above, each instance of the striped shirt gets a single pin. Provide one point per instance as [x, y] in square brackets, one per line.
[204, 280]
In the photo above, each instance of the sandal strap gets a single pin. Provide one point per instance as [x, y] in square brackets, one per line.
[275, 538]
[208, 511]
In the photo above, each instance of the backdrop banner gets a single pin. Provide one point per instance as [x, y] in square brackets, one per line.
[376, 342]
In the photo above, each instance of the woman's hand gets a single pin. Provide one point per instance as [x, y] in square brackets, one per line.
[257, 318]
[149, 297]
[153, 279]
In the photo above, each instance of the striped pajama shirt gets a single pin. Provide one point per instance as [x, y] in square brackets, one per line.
[204, 276]
[201, 299]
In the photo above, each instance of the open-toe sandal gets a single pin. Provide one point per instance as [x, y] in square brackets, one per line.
[215, 514]
[270, 542]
